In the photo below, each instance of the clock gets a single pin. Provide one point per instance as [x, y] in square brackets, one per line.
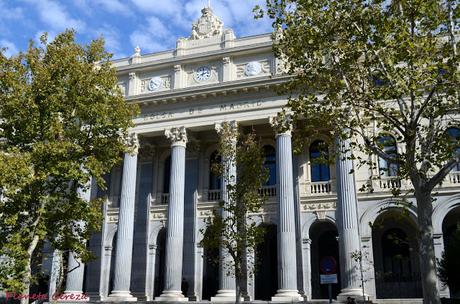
[155, 84]
[252, 68]
[202, 74]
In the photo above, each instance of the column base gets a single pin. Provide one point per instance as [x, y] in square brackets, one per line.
[121, 296]
[355, 293]
[225, 295]
[287, 295]
[171, 296]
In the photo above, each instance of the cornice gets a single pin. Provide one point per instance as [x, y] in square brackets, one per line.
[212, 90]
[194, 57]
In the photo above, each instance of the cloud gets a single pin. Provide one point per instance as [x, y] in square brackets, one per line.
[56, 16]
[11, 48]
[146, 42]
[159, 7]
[114, 6]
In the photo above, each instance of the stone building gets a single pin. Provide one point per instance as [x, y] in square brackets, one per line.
[158, 199]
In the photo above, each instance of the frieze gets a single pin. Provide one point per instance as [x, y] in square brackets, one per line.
[326, 206]
[164, 83]
[195, 111]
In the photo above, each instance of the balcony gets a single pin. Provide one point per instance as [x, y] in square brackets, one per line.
[164, 198]
[389, 182]
[454, 177]
[322, 187]
[214, 195]
[268, 191]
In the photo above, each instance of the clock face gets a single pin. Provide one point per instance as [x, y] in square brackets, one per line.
[155, 84]
[252, 68]
[202, 73]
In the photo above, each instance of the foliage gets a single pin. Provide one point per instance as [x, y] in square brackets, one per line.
[63, 121]
[365, 69]
[450, 263]
[232, 227]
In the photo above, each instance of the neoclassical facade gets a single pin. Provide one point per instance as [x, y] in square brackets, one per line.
[162, 194]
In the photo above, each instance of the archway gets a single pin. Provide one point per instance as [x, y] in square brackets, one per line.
[210, 272]
[266, 272]
[323, 235]
[160, 262]
[396, 258]
[449, 224]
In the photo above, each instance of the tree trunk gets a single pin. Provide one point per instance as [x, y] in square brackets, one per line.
[28, 270]
[426, 247]
[237, 288]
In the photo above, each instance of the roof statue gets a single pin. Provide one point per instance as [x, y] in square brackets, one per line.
[208, 25]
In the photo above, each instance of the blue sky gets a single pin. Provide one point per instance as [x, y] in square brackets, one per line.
[154, 25]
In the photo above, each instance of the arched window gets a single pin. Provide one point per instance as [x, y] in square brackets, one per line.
[388, 144]
[166, 174]
[270, 164]
[396, 253]
[215, 180]
[319, 170]
[454, 134]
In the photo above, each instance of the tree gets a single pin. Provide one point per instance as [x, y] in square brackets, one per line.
[362, 70]
[63, 122]
[232, 228]
[450, 264]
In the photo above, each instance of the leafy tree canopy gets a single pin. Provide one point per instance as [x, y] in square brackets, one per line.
[63, 120]
[363, 69]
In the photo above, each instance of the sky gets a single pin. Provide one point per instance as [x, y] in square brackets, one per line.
[153, 25]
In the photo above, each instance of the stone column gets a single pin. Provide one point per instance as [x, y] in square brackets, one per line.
[348, 223]
[287, 260]
[124, 250]
[175, 223]
[74, 282]
[306, 253]
[438, 242]
[227, 290]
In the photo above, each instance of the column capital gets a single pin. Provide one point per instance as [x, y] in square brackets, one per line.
[230, 127]
[281, 123]
[177, 136]
[133, 142]
[132, 75]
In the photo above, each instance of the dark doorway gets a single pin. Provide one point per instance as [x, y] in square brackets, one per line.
[160, 261]
[210, 272]
[266, 272]
[324, 243]
[396, 259]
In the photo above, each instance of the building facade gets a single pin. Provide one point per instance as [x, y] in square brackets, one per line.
[160, 197]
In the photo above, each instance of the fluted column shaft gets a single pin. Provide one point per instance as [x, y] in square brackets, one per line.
[287, 279]
[124, 250]
[175, 224]
[74, 281]
[347, 218]
[227, 282]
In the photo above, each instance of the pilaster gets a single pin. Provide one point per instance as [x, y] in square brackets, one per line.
[178, 75]
[175, 224]
[124, 251]
[287, 267]
[132, 84]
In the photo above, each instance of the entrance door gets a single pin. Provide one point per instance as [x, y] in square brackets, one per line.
[266, 273]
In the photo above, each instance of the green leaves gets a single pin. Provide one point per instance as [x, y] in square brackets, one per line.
[63, 121]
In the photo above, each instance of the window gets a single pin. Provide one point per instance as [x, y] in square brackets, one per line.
[454, 134]
[166, 174]
[388, 144]
[270, 164]
[318, 154]
[215, 181]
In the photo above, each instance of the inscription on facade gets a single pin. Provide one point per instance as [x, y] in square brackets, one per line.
[194, 111]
